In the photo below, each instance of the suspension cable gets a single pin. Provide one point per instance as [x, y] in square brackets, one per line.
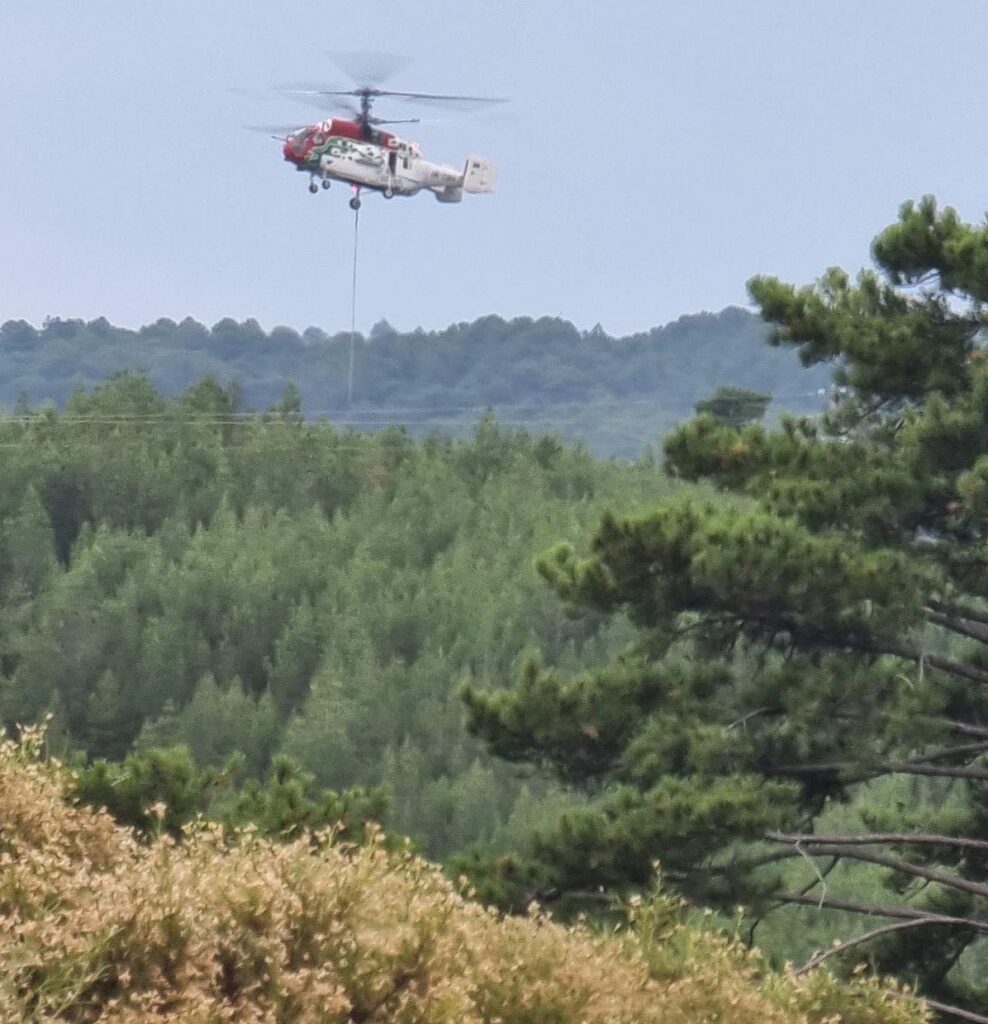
[353, 308]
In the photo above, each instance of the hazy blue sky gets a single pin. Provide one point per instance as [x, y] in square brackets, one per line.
[655, 155]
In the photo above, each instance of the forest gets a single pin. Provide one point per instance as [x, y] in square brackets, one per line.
[616, 394]
[176, 572]
[651, 712]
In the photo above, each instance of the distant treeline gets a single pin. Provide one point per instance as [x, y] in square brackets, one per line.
[618, 394]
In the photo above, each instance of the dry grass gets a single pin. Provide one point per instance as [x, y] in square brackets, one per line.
[96, 926]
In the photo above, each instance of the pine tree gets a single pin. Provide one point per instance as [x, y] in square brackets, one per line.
[30, 548]
[296, 658]
[734, 407]
[107, 730]
[821, 626]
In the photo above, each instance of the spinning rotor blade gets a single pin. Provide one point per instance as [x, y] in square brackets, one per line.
[462, 103]
[314, 86]
[367, 68]
[323, 99]
[279, 131]
[370, 70]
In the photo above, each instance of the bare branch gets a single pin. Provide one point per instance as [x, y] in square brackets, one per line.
[954, 668]
[735, 866]
[960, 611]
[853, 773]
[919, 657]
[884, 838]
[865, 645]
[898, 864]
[751, 714]
[824, 954]
[954, 751]
[959, 626]
[956, 1011]
[878, 910]
[965, 728]
[945, 771]
[819, 877]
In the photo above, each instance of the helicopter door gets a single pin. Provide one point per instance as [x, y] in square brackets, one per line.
[392, 164]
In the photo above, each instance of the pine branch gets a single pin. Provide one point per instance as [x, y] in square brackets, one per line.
[751, 714]
[948, 665]
[897, 864]
[960, 748]
[961, 611]
[824, 954]
[889, 646]
[845, 770]
[958, 626]
[942, 771]
[734, 867]
[824, 874]
[916, 919]
[965, 728]
[864, 645]
[956, 1011]
[883, 838]
[878, 910]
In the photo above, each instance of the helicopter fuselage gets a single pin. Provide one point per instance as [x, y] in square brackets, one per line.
[367, 158]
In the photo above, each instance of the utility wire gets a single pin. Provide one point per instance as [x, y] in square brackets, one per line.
[425, 413]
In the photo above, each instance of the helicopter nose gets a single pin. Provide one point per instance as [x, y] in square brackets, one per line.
[289, 151]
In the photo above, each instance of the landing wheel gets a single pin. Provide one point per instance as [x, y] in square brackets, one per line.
[389, 193]
[326, 183]
[355, 203]
[313, 187]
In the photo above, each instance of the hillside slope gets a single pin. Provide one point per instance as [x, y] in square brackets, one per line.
[617, 394]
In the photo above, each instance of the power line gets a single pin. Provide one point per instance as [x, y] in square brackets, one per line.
[373, 413]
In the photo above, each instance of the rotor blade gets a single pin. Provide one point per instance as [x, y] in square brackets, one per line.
[405, 120]
[367, 68]
[281, 131]
[312, 85]
[328, 101]
[463, 103]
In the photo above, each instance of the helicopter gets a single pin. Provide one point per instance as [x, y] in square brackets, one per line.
[358, 152]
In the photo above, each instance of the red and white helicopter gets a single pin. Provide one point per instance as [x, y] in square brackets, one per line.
[356, 151]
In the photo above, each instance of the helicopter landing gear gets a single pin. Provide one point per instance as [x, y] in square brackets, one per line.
[326, 183]
[355, 199]
[389, 193]
[313, 184]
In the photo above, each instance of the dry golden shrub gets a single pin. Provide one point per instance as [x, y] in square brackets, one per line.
[95, 926]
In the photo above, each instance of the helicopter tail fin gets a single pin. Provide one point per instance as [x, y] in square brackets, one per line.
[479, 175]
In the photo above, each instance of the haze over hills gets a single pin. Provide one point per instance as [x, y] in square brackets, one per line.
[617, 394]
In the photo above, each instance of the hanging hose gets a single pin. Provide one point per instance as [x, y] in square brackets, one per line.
[353, 309]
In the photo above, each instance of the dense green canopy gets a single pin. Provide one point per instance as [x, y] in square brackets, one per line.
[178, 572]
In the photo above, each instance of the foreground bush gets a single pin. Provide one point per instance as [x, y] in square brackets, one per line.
[98, 926]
